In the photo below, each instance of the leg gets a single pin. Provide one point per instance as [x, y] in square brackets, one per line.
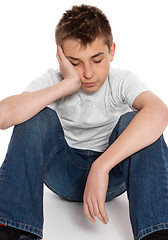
[67, 178]
[22, 173]
[146, 178]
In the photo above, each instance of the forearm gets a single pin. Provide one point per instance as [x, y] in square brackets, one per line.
[146, 127]
[19, 108]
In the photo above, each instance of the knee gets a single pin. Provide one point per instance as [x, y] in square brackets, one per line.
[45, 120]
[122, 123]
[159, 146]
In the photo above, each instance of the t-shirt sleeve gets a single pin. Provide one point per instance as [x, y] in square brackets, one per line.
[50, 78]
[132, 87]
[126, 87]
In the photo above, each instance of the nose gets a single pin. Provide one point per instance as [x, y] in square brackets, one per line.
[88, 72]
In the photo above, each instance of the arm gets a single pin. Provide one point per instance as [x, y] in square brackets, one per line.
[19, 108]
[146, 128]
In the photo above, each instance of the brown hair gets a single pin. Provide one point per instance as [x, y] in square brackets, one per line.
[85, 23]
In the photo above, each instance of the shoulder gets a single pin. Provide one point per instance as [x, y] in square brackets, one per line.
[118, 74]
[117, 78]
[122, 77]
[54, 75]
[125, 85]
[50, 78]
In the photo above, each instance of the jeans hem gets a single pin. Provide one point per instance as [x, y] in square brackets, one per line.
[22, 226]
[143, 233]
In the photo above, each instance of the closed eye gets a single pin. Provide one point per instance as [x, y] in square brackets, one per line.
[75, 64]
[98, 61]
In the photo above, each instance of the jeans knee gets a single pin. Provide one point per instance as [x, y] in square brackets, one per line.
[125, 119]
[122, 123]
[160, 146]
[44, 121]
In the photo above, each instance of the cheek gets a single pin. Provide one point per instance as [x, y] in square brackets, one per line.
[79, 70]
[102, 70]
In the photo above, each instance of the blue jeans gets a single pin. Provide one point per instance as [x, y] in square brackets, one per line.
[38, 153]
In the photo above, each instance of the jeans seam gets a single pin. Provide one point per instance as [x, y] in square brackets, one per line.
[2, 170]
[85, 168]
[39, 230]
[53, 152]
[165, 170]
[136, 238]
[60, 136]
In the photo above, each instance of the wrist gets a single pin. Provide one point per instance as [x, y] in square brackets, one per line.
[71, 85]
[100, 166]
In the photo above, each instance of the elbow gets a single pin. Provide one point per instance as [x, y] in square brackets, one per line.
[160, 115]
[3, 124]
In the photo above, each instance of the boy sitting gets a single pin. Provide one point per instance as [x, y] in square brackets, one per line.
[74, 131]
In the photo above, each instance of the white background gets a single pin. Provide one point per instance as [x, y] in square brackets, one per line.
[27, 50]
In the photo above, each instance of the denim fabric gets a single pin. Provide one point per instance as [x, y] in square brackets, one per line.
[146, 176]
[38, 153]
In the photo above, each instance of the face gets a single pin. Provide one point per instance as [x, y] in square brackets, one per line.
[92, 63]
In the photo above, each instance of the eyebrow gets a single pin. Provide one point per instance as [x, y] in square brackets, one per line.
[94, 56]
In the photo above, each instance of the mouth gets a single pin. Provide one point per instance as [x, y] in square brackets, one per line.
[89, 84]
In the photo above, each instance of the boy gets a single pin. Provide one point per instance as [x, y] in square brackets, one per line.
[76, 153]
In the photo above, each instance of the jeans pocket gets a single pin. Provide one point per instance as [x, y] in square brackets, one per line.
[80, 162]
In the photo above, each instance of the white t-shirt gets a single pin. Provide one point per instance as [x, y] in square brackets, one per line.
[89, 118]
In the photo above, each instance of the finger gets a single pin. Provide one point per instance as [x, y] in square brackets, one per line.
[87, 212]
[101, 206]
[91, 209]
[60, 53]
[58, 57]
[97, 212]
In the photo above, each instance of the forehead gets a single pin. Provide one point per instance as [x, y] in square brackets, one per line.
[74, 48]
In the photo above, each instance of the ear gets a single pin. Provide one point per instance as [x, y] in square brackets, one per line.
[112, 52]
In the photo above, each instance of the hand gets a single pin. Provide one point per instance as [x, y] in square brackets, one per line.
[68, 72]
[95, 195]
